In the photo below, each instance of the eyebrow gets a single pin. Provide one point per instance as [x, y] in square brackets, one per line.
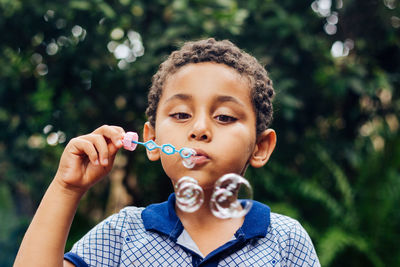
[220, 99]
[227, 98]
[179, 96]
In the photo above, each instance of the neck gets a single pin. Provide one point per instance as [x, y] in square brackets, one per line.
[203, 216]
[206, 230]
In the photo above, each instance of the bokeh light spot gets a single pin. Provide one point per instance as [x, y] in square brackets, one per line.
[121, 51]
[52, 139]
[52, 49]
[330, 28]
[77, 30]
[117, 34]
[42, 69]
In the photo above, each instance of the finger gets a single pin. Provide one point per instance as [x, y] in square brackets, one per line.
[120, 133]
[112, 152]
[112, 149]
[114, 133]
[80, 146]
[100, 143]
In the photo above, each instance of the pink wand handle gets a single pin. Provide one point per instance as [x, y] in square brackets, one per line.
[130, 140]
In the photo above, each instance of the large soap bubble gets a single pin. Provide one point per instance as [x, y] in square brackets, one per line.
[232, 197]
[189, 195]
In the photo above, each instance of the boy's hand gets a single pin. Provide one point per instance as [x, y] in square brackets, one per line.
[88, 158]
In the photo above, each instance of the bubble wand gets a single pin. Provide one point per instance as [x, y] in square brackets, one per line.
[131, 140]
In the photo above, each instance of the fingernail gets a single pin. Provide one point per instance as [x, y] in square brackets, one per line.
[119, 143]
[105, 161]
[96, 162]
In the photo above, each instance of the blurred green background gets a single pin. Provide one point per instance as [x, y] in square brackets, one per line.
[67, 67]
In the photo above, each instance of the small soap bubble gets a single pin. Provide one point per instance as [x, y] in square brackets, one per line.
[187, 152]
[188, 162]
[232, 197]
[189, 195]
[187, 155]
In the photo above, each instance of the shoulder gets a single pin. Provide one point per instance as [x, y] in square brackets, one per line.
[103, 244]
[292, 240]
[128, 217]
[128, 214]
[287, 231]
[283, 225]
[115, 226]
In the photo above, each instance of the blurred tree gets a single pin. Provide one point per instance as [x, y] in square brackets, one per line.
[336, 166]
[69, 67]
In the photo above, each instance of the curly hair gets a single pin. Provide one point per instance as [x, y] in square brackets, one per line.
[223, 52]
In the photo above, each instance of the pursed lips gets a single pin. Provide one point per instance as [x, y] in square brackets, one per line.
[201, 156]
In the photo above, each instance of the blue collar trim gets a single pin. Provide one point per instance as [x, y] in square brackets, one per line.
[256, 222]
[163, 219]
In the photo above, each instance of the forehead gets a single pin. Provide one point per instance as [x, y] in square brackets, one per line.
[195, 76]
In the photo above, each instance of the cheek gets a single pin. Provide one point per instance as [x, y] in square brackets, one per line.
[167, 132]
[172, 165]
[242, 141]
[239, 153]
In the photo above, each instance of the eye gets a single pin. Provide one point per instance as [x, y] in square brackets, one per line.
[225, 118]
[180, 116]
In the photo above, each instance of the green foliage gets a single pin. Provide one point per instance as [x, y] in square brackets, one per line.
[336, 167]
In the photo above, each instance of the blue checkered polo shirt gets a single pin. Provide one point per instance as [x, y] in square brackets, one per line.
[154, 236]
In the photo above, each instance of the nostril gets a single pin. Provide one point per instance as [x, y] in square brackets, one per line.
[199, 137]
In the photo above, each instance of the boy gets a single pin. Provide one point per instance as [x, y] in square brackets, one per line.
[209, 96]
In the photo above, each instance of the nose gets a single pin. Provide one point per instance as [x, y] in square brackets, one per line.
[200, 130]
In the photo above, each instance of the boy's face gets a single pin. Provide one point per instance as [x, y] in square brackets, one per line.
[207, 107]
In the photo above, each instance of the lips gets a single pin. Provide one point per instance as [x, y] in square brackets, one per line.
[200, 157]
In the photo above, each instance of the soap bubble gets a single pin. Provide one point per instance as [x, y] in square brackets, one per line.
[188, 162]
[232, 197]
[187, 155]
[189, 195]
[186, 152]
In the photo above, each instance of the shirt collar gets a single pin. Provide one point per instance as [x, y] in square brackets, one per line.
[163, 219]
[256, 222]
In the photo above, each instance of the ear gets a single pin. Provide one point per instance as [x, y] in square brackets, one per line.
[266, 142]
[149, 133]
